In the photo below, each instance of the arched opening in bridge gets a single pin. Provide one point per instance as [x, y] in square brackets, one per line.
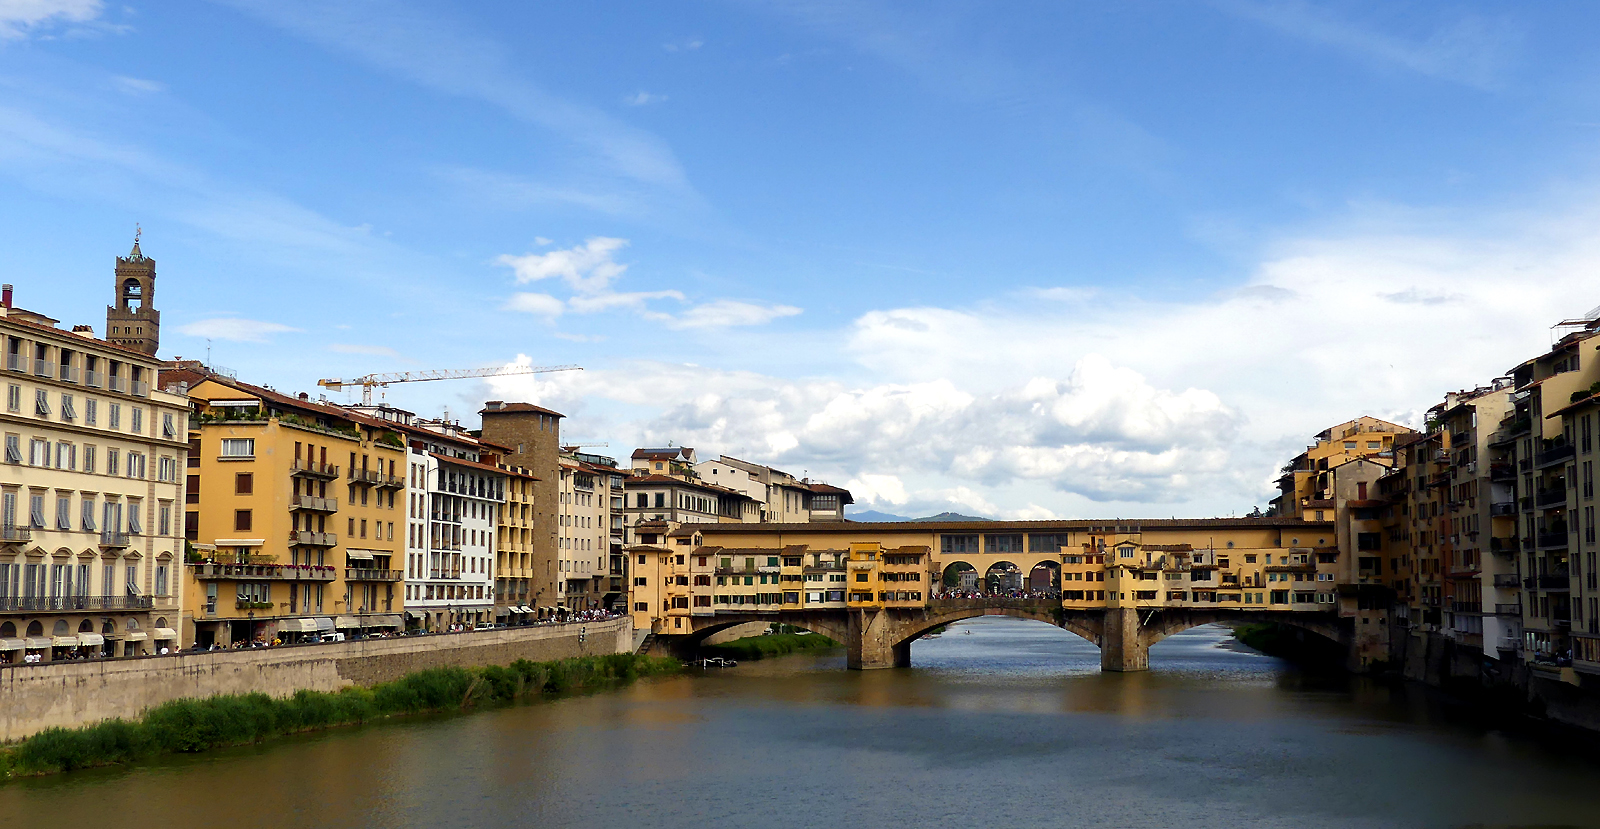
[959, 575]
[1002, 577]
[1045, 577]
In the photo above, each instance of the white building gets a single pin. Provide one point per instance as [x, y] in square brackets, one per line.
[591, 568]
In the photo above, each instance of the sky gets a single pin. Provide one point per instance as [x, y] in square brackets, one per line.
[1020, 260]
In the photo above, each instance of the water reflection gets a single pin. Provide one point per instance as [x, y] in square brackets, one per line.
[999, 723]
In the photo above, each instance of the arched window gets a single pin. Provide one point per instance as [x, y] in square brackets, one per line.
[35, 628]
[86, 626]
[61, 628]
[8, 630]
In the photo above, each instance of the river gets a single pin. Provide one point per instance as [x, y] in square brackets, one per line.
[999, 723]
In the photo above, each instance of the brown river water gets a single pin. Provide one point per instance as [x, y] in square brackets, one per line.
[1008, 725]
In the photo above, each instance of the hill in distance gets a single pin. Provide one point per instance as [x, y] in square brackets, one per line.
[874, 515]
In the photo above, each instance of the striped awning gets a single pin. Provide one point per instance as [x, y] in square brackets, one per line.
[38, 642]
[13, 644]
[63, 641]
[324, 624]
[91, 639]
[298, 626]
[165, 633]
[346, 622]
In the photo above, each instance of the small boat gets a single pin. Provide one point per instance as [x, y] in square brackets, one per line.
[718, 662]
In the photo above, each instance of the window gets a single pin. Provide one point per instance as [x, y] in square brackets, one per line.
[41, 401]
[88, 513]
[14, 449]
[1125, 552]
[161, 576]
[1003, 543]
[241, 520]
[38, 452]
[244, 483]
[164, 519]
[958, 543]
[1369, 541]
[64, 512]
[88, 458]
[136, 419]
[114, 417]
[135, 516]
[1349, 444]
[167, 469]
[135, 465]
[36, 510]
[238, 447]
[66, 456]
[68, 412]
[13, 398]
[91, 411]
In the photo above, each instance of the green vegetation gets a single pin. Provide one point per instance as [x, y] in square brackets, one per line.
[1293, 644]
[194, 725]
[775, 644]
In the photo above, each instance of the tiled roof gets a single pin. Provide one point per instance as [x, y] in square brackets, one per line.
[519, 407]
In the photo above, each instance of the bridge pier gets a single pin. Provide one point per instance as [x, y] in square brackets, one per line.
[1121, 646]
[871, 643]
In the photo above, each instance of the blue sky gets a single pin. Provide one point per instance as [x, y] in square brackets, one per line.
[1021, 259]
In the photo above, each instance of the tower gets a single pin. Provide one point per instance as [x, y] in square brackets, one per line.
[133, 321]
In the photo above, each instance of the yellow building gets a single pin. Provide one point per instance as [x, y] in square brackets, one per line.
[90, 487]
[1304, 480]
[515, 582]
[292, 511]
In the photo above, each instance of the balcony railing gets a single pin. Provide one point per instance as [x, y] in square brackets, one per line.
[1508, 610]
[1503, 508]
[307, 538]
[94, 379]
[76, 603]
[116, 383]
[141, 389]
[1466, 607]
[365, 476]
[1553, 456]
[1502, 472]
[68, 373]
[1504, 544]
[387, 481]
[1507, 580]
[369, 574]
[16, 362]
[274, 572]
[313, 469]
[44, 368]
[311, 503]
[1554, 496]
[1554, 538]
[111, 539]
[16, 534]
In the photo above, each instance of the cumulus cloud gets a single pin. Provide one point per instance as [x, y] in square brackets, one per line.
[728, 313]
[588, 268]
[543, 305]
[20, 17]
[235, 329]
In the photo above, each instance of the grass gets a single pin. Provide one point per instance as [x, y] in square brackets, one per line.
[195, 725]
[776, 644]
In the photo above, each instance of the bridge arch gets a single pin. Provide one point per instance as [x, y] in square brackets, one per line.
[1050, 613]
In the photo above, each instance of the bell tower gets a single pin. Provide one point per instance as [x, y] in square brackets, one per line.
[133, 321]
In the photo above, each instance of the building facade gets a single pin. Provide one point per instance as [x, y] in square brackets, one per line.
[529, 437]
[90, 491]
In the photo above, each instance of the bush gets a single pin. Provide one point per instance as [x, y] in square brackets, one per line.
[194, 725]
[772, 644]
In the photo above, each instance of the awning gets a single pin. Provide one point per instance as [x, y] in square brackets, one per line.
[346, 622]
[91, 639]
[38, 642]
[136, 636]
[240, 542]
[386, 622]
[412, 614]
[298, 626]
[361, 555]
[525, 609]
[165, 633]
[324, 624]
[13, 644]
[63, 641]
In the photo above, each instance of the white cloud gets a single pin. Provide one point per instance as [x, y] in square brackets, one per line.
[683, 45]
[235, 329]
[606, 301]
[642, 98]
[542, 241]
[587, 268]
[543, 305]
[19, 17]
[369, 350]
[728, 313]
[137, 86]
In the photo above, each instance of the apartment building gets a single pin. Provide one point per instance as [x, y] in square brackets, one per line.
[90, 488]
[515, 584]
[1304, 476]
[777, 496]
[295, 511]
[590, 560]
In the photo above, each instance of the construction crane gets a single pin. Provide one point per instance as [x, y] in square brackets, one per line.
[368, 382]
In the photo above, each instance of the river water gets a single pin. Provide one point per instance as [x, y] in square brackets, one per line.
[999, 723]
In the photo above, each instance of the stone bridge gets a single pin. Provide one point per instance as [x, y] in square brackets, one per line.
[881, 638]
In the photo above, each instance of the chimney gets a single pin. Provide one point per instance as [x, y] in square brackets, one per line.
[492, 405]
[5, 295]
[86, 330]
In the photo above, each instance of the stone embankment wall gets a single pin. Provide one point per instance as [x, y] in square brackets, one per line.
[45, 695]
[1556, 695]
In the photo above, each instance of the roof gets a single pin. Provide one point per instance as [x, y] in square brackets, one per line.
[195, 378]
[497, 407]
[65, 333]
[668, 479]
[1580, 403]
[474, 464]
[827, 489]
[670, 453]
[1111, 526]
[685, 531]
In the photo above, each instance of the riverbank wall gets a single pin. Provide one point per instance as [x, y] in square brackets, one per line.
[1557, 695]
[73, 694]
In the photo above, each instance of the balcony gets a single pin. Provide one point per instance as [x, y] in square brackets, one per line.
[1466, 607]
[1508, 610]
[140, 389]
[1553, 456]
[1557, 537]
[113, 540]
[1503, 508]
[15, 535]
[369, 574]
[94, 379]
[37, 603]
[306, 538]
[309, 503]
[313, 469]
[44, 368]
[391, 482]
[263, 572]
[1502, 472]
[1560, 581]
[1555, 496]
[365, 476]
[1507, 580]
[16, 362]
[68, 373]
[116, 383]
